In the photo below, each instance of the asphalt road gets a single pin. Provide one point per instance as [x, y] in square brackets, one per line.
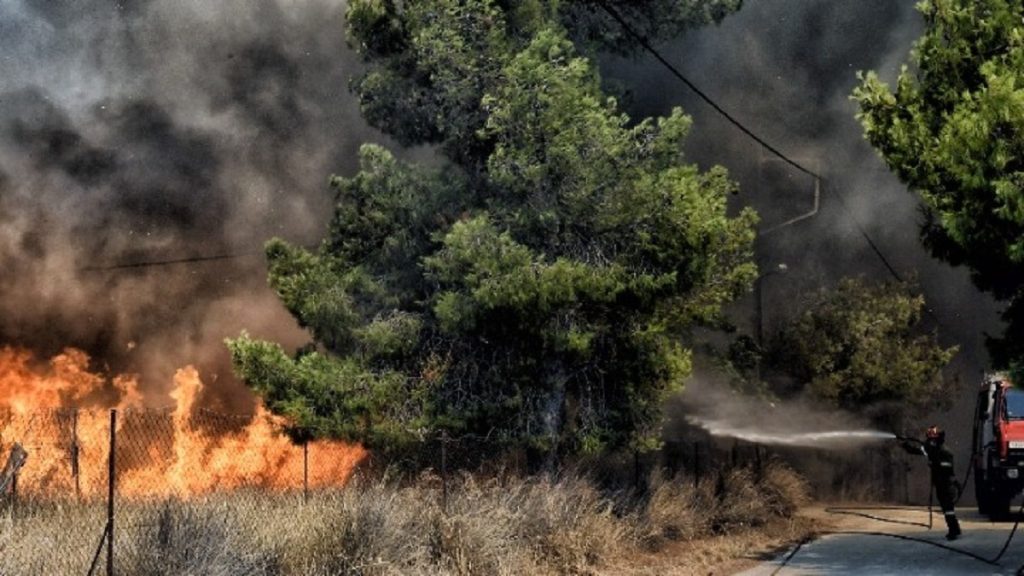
[877, 554]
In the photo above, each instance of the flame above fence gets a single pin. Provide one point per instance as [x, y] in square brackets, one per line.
[58, 410]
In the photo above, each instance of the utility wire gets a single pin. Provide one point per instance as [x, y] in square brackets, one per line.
[739, 125]
[186, 260]
[151, 263]
[707, 99]
[864, 234]
[675, 72]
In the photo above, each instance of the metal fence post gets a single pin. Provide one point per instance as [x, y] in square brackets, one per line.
[906, 479]
[636, 469]
[444, 471]
[305, 471]
[111, 482]
[75, 472]
[696, 464]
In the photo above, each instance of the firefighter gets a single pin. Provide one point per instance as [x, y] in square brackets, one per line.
[940, 461]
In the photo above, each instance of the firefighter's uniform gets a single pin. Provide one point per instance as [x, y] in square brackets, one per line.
[940, 461]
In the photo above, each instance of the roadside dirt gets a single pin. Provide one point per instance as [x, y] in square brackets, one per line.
[725, 554]
[746, 549]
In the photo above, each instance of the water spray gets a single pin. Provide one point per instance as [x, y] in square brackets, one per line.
[817, 439]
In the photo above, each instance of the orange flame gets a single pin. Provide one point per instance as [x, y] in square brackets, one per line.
[58, 412]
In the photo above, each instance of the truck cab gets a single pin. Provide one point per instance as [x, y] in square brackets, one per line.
[998, 444]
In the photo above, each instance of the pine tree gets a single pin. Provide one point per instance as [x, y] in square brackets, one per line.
[537, 289]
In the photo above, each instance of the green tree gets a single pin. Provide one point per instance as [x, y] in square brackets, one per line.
[537, 288]
[953, 130]
[591, 25]
[431, 63]
[860, 347]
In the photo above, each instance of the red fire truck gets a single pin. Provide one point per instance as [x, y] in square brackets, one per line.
[998, 445]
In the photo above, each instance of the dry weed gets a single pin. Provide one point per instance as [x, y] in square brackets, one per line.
[497, 525]
[785, 491]
[678, 509]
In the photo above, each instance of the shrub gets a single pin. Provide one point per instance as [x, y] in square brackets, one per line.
[494, 525]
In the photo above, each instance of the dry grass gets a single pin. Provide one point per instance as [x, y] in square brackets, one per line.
[498, 525]
[49, 539]
[682, 509]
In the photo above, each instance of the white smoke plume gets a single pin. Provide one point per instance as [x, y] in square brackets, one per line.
[725, 413]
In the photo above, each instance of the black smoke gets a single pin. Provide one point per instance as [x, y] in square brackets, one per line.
[134, 132]
[786, 69]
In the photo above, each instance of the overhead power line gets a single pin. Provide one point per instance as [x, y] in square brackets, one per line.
[151, 263]
[864, 234]
[700, 93]
[184, 260]
[675, 72]
[749, 133]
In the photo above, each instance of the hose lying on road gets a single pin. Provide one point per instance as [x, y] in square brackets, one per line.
[860, 511]
[855, 511]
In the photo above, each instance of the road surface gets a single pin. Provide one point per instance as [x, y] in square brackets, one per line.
[877, 554]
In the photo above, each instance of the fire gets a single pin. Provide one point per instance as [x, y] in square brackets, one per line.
[59, 412]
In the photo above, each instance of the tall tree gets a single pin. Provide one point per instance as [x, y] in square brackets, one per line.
[859, 347]
[953, 130]
[538, 287]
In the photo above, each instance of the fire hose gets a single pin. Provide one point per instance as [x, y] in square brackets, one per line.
[994, 561]
[961, 487]
[860, 511]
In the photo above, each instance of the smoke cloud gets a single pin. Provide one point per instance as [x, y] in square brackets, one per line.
[786, 69]
[134, 131]
[140, 131]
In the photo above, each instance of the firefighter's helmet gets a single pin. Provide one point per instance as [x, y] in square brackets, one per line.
[935, 434]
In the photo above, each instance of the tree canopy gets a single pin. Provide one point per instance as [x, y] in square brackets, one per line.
[860, 347]
[953, 130]
[537, 288]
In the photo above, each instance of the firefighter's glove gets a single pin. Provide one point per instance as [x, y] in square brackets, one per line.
[911, 447]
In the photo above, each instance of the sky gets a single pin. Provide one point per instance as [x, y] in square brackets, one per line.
[141, 130]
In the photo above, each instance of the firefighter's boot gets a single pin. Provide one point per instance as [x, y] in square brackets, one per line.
[953, 524]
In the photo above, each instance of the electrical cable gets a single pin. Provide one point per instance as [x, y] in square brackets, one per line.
[700, 93]
[867, 238]
[739, 125]
[187, 260]
[675, 72]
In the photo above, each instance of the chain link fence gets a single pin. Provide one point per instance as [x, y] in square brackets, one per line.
[99, 476]
[116, 491]
[879, 472]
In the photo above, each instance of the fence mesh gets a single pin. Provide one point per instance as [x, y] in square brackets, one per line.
[165, 464]
[228, 477]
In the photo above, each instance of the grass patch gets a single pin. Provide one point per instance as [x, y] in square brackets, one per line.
[493, 525]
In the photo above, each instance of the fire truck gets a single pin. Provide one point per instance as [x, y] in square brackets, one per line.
[998, 458]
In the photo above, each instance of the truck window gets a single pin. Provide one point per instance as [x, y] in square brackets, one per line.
[1014, 404]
